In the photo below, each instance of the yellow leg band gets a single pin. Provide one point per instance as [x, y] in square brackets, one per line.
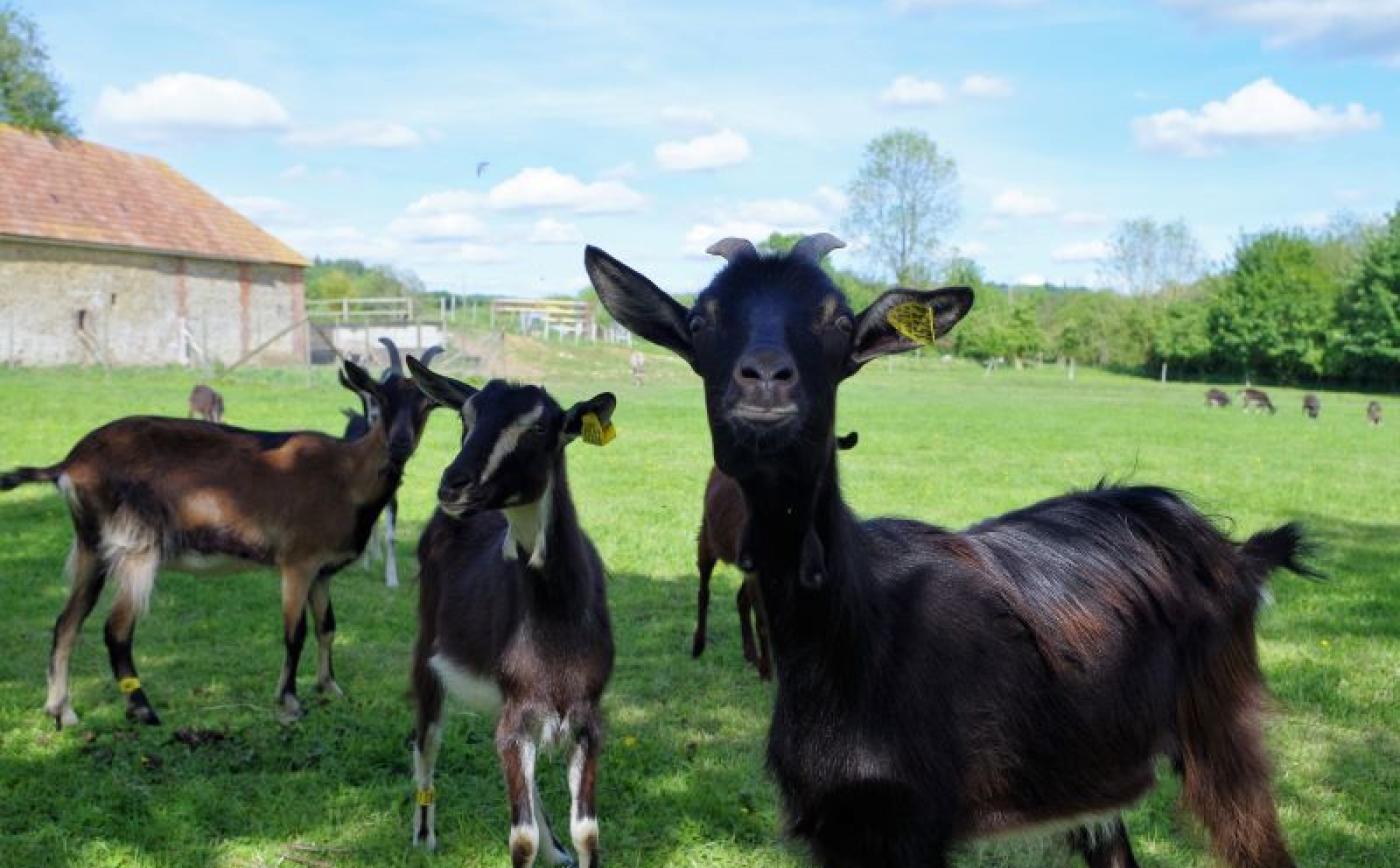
[129, 684]
[426, 797]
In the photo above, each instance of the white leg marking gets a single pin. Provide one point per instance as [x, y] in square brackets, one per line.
[583, 830]
[391, 561]
[425, 817]
[528, 834]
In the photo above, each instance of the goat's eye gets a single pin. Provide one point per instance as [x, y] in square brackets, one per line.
[697, 323]
[845, 323]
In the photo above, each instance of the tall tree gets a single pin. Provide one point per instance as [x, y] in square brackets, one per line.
[1272, 314]
[1146, 256]
[30, 96]
[904, 199]
[1368, 313]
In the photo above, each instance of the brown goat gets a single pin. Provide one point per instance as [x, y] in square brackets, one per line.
[1217, 398]
[1256, 399]
[1373, 412]
[721, 533]
[149, 493]
[1312, 405]
[206, 403]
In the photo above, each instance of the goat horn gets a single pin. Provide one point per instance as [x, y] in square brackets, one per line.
[395, 363]
[429, 354]
[813, 248]
[732, 249]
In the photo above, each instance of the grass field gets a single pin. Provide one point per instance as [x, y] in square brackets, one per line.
[682, 777]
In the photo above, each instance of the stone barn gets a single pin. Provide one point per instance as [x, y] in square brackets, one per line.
[114, 258]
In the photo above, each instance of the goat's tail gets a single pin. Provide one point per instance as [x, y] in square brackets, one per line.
[1285, 547]
[22, 475]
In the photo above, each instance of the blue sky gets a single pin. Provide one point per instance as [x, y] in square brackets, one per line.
[648, 128]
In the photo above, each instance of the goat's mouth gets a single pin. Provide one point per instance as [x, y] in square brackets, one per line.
[764, 415]
[459, 507]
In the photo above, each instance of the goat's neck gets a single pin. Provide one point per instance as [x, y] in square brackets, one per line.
[831, 618]
[373, 475]
[544, 534]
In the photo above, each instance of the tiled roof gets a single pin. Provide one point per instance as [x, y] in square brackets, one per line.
[67, 190]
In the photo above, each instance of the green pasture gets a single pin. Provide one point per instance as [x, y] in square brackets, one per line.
[682, 780]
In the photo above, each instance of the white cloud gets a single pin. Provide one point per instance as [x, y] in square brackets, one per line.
[1031, 278]
[294, 172]
[688, 116]
[702, 235]
[834, 201]
[781, 212]
[1080, 251]
[909, 91]
[711, 151]
[1368, 28]
[990, 86]
[1261, 111]
[447, 200]
[482, 254]
[384, 135]
[429, 227]
[971, 248]
[335, 242]
[1019, 203]
[263, 208]
[547, 187]
[550, 231]
[1083, 218]
[187, 101]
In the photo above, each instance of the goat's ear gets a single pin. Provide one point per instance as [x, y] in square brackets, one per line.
[442, 391]
[640, 305]
[904, 319]
[591, 420]
[358, 380]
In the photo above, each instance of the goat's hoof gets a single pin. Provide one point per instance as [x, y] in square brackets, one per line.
[697, 647]
[289, 709]
[63, 716]
[330, 688]
[426, 842]
[142, 714]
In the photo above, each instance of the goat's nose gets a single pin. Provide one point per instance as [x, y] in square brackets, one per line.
[766, 367]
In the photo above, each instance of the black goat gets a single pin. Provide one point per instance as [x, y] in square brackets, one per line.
[721, 530]
[935, 686]
[513, 608]
[1217, 398]
[357, 425]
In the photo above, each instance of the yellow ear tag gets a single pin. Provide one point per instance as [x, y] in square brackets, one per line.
[129, 684]
[914, 321]
[426, 797]
[595, 432]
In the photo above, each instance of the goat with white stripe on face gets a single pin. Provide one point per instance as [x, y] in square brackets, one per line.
[513, 608]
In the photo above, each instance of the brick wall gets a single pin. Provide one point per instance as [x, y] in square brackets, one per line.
[131, 306]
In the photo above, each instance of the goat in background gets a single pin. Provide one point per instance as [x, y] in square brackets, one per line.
[721, 531]
[206, 404]
[357, 425]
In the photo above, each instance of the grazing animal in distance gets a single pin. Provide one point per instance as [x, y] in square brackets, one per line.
[356, 426]
[1217, 398]
[512, 610]
[721, 530]
[206, 404]
[1312, 405]
[936, 686]
[148, 494]
[638, 364]
[1256, 399]
[1373, 412]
